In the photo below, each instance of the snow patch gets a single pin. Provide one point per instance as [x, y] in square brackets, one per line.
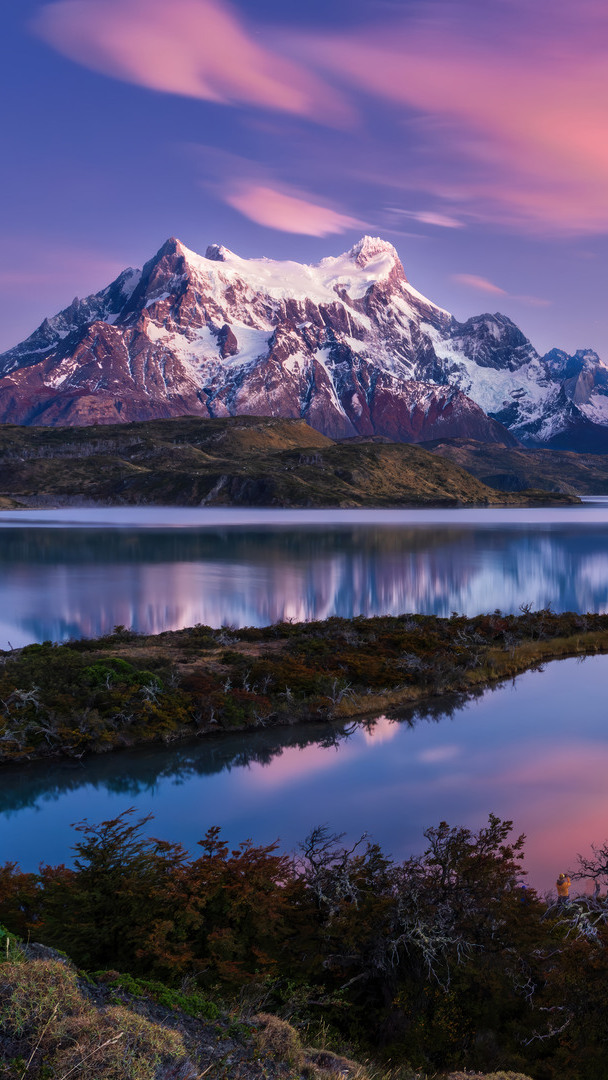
[596, 409]
[322, 282]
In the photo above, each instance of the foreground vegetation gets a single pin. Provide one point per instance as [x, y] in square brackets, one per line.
[245, 460]
[90, 696]
[440, 962]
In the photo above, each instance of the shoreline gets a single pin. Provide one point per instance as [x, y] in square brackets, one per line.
[531, 499]
[90, 697]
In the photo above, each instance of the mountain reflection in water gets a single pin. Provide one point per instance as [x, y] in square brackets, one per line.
[57, 583]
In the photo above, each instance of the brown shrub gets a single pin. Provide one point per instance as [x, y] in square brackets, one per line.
[120, 1045]
[279, 1040]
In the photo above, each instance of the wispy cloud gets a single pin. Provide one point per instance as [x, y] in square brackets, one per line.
[427, 217]
[442, 221]
[26, 262]
[287, 212]
[481, 284]
[500, 111]
[256, 190]
[516, 99]
[197, 48]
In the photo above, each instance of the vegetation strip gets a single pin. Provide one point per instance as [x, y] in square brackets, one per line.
[92, 696]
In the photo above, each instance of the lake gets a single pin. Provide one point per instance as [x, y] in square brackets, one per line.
[514, 751]
[535, 751]
[68, 573]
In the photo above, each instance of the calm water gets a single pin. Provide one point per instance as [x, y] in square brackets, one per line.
[80, 573]
[514, 751]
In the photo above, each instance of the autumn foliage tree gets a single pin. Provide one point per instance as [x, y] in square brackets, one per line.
[442, 959]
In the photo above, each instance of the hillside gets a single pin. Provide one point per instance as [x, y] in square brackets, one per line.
[246, 461]
[516, 468]
[58, 1021]
[115, 1027]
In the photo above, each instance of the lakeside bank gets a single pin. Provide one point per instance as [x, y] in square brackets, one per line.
[91, 696]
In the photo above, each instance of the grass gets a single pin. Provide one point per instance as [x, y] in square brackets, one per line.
[57, 1032]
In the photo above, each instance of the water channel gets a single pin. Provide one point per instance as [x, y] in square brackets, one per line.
[535, 751]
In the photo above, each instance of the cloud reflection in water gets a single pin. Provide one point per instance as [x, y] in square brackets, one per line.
[527, 751]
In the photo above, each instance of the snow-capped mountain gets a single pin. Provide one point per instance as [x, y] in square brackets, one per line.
[348, 344]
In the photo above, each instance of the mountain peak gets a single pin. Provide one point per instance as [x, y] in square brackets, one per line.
[172, 246]
[370, 247]
[218, 253]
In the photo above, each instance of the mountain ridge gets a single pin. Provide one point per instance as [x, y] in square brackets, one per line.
[347, 344]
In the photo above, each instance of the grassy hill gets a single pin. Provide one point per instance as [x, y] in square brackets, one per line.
[508, 469]
[246, 460]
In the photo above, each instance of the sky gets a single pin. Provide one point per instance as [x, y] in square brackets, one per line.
[473, 135]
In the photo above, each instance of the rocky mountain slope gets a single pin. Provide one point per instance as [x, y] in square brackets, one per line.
[348, 345]
[239, 461]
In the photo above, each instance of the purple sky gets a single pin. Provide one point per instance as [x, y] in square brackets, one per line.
[473, 135]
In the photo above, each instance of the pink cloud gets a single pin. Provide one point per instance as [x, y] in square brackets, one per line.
[565, 804]
[427, 217]
[294, 764]
[517, 110]
[480, 283]
[382, 730]
[287, 212]
[38, 263]
[511, 100]
[443, 221]
[473, 281]
[198, 48]
[533, 301]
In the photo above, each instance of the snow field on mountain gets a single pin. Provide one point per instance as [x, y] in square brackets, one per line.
[492, 388]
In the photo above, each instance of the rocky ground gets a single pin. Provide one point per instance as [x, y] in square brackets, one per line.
[56, 1021]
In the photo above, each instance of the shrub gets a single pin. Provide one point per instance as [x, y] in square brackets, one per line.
[279, 1040]
[119, 1045]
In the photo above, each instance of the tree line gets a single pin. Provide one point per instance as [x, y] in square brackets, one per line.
[442, 960]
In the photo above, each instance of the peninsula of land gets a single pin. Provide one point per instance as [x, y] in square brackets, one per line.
[124, 690]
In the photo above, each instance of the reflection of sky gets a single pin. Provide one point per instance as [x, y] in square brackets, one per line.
[233, 570]
[535, 751]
